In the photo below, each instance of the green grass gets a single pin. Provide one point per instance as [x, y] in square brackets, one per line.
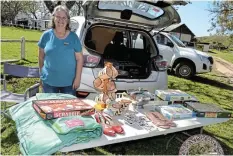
[225, 40]
[12, 50]
[212, 88]
[17, 33]
[224, 54]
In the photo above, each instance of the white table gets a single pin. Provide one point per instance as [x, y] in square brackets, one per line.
[134, 132]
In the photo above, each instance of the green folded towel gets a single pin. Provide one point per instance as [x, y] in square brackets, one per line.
[43, 137]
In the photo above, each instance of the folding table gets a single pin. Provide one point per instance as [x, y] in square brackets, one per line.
[135, 132]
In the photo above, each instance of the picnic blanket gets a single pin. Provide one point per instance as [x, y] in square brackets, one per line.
[44, 137]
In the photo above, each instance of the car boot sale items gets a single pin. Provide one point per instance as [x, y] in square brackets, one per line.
[107, 106]
[106, 100]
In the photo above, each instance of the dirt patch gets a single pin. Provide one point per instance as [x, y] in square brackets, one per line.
[224, 67]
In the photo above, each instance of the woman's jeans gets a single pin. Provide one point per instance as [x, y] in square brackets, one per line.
[51, 89]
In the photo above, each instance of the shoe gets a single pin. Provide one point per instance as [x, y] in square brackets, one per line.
[157, 121]
[113, 123]
[161, 117]
[107, 129]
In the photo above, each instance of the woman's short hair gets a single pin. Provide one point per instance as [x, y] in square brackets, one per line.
[61, 8]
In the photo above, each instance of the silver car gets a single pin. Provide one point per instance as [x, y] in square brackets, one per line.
[108, 32]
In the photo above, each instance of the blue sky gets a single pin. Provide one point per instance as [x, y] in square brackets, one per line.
[196, 17]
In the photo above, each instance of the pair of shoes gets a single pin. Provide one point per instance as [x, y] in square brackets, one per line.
[116, 126]
[109, 127]
[159, 120]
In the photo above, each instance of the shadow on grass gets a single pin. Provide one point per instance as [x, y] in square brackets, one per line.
[221, 76]
[227, 150]
[10, 139]
[148, 146]
[22, 62]
[215, 83]
[212, 52]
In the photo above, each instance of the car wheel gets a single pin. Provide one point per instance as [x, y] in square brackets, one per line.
[184, 69]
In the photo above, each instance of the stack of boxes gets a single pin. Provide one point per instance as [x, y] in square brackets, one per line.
[182, 105]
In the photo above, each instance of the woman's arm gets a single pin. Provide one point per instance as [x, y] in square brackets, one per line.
[41, 61]
[41, 58]
[79, 67]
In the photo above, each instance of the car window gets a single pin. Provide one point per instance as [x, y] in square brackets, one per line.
[163, 40]
[139, 8]
[177, 41]
[125, 39]
[137, 40]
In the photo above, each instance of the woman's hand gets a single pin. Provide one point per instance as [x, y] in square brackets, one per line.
[76, 83]
[41, 84]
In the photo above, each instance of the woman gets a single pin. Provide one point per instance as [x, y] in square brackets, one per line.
[60, 55]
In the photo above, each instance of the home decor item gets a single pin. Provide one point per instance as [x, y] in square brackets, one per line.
[201, 144]
[141, 97]
[108, 100]
[56, 108]
[175, 111]
[207, 110]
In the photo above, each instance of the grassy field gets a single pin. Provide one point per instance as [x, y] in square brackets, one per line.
[212, 88]
[224, 54]
[225, 40]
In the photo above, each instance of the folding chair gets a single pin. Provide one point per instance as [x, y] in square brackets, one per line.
[22, 72]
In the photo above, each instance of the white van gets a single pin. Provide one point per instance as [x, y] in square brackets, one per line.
[184, 61]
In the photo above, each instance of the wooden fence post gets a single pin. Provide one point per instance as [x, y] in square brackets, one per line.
[22, 48]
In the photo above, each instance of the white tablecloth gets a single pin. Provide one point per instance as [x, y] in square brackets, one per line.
[135, 132]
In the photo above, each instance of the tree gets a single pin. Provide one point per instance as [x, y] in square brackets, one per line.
[222, 20]
[52, 4]
[223, 16]
[9, 10]
[76, 10]
[32, 7]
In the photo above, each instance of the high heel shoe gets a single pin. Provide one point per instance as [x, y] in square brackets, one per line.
[161, 117]
[157, 121]
[114, 124]
[107, 129]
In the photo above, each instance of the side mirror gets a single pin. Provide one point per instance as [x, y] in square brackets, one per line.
[170, 44]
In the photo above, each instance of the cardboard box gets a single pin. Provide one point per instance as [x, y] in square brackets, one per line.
[56, 108]
[207, 110]
[175, 111]
[174, 96]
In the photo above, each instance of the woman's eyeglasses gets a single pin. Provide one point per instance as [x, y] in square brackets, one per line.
[61, 18]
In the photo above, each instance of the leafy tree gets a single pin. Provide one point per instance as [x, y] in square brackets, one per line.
[223, 16]
[52, 4]
[9, 10]
[32, 7]
[222, 20]
[76, 10]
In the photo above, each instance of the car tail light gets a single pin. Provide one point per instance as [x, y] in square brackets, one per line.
[91, 60]
[82, 94]
[160, 63]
